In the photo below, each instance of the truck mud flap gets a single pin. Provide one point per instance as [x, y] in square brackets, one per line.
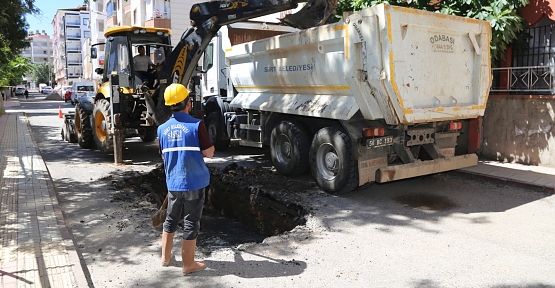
[420, 168]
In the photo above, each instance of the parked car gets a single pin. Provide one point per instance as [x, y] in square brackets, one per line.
[64, 90]
[47, 90]
[67, 95]
[19, 91]
[81, 88]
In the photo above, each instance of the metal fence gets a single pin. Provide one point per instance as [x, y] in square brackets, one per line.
[528, 80]
[533, 71]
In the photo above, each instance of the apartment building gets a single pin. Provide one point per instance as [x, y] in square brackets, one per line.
[149, 13]
[98, 13]
[40, 51]
[71, 28]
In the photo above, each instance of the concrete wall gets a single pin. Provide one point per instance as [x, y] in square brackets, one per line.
[520, 129]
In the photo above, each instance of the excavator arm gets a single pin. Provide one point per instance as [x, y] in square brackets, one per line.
[208, 17]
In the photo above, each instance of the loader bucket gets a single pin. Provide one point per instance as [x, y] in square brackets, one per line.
[314, 13]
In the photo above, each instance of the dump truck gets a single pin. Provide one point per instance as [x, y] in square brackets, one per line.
[386, 93]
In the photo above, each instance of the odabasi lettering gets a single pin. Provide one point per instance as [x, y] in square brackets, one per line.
[443, 38]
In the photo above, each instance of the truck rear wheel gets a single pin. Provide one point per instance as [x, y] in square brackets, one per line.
[101, 120]
[289, 147]
[332, 162]
[214, 125]
[83, 127]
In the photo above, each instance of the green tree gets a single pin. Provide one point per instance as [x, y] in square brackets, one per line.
[13, 27]
[42, 72]
[13, 39]
[12, 72]
[507, 26]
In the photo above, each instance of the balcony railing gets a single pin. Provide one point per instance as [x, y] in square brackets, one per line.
[539, 80]
[159, 23]
[111, 21]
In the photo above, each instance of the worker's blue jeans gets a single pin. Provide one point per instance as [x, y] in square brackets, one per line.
[189, 204]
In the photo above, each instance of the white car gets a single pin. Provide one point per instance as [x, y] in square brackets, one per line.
[81, 89]
[47, 90]
[19, 91]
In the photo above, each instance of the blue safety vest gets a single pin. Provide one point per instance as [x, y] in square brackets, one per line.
[183, 161]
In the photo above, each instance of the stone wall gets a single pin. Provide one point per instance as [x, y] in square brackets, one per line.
[520, 129]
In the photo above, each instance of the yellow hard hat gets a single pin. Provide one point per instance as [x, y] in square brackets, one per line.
[175, 93]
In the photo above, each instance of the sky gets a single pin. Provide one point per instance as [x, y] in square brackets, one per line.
[48, 10]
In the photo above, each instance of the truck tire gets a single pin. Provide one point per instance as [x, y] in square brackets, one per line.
[101, 120]
[289, 148]
[332, 162]
[147, 135]
[214, 125]
[83, 128]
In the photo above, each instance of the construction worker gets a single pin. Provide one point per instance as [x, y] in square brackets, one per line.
[184, 141]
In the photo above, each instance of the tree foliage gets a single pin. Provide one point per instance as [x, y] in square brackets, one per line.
[12, 72]
[13, 39]
[42, 73]
[507, 26]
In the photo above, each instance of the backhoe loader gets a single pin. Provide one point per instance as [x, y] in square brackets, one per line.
[130, 103]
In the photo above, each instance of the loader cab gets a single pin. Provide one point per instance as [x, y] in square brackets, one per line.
[122, 45]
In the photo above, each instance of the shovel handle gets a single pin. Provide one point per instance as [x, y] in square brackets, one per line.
[165, 203]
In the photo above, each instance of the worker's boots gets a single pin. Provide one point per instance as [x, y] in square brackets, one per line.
[167, 244]
[188, 255]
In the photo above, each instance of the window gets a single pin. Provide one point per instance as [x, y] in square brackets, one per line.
[537, 74]
[117, 46]
[87, 34]
[86, 21]
[208, 61]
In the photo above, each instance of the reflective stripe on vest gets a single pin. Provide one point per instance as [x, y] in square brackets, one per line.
[172, 149]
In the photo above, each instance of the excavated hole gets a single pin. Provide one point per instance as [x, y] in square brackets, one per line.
[242, 204]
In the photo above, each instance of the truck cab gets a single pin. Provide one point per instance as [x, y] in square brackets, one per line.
[215, 87]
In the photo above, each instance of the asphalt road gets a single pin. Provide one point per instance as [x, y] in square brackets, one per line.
[435, 231]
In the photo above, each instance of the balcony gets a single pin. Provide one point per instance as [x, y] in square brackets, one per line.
[112, 21]
[127, 8]
[159, 23]
[530, 80]
[73, 50]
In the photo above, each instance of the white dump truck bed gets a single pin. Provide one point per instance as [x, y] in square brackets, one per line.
[403, 65]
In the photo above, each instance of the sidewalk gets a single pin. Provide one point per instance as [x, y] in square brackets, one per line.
[36, 249]
[531, 177]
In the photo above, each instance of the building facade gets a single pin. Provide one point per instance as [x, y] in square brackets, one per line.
[40, 51]
[519, 121]
[71, 28]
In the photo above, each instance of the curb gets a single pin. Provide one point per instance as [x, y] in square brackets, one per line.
[507, 181]
[67, 239]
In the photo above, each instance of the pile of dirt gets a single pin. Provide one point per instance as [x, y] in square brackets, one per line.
[53, 96]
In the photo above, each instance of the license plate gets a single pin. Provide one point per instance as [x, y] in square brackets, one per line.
[379, 142]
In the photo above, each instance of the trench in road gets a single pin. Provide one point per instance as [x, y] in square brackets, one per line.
[242, 204]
